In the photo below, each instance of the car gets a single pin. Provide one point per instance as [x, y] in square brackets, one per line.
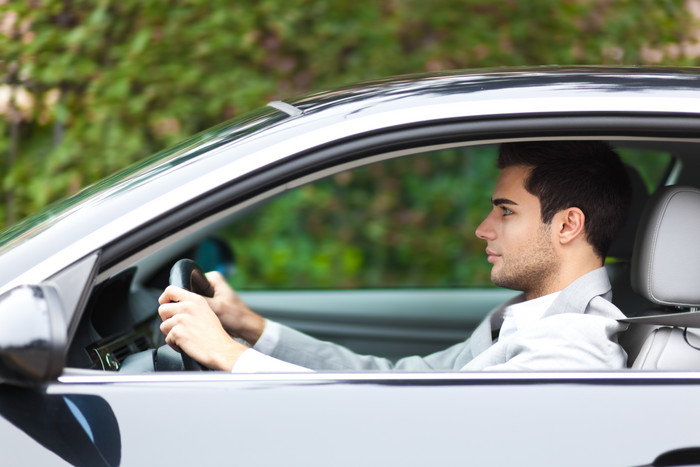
[349, 214]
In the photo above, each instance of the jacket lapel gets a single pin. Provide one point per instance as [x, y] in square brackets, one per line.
[576, 296]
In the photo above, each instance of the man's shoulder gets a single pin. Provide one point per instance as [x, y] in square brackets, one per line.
[600, 306]
[595, 282]
[591, 290]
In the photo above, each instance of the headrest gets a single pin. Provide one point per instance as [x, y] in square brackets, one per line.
[623, 245]
[666, 259]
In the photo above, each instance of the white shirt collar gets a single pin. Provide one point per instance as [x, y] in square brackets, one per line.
[521, 315]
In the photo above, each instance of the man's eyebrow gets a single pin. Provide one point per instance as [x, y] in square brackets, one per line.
[501, 201]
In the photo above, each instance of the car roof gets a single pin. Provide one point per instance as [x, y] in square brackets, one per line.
[480, 84]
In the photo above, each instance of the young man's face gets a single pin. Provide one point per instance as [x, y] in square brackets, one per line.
[519, 245]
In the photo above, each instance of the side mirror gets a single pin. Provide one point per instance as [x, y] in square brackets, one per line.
[32, 335]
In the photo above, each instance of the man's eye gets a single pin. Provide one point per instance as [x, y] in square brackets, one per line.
[506, 211]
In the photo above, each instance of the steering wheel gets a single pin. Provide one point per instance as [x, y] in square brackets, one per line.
[189, 276]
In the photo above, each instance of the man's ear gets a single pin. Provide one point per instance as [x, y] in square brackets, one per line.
[569, 224]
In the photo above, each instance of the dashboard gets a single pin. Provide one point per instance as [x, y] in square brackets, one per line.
[121, 319]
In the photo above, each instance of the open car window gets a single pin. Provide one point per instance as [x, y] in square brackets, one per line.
[401, 223]
[381, 258]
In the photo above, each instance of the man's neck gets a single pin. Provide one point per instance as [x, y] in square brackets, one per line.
[562, 279]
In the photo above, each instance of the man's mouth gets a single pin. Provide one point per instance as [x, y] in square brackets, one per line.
[491, 256]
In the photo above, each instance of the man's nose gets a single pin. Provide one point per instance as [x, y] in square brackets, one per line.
[485, 230]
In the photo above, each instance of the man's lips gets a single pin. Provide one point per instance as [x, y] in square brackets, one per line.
[492, 256]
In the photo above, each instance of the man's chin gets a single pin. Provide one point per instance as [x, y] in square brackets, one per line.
[505, 282]
[496, 276]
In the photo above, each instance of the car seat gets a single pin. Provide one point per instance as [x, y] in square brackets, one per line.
[618, 265]
[665, 272]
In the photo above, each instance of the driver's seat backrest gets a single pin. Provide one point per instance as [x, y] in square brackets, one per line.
[666, 271]
[618, 265]
[670, 348]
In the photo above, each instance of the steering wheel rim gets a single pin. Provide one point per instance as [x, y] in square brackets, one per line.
[187, 274]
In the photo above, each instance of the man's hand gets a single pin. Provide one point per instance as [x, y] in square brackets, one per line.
[190, 325]
[235, 316]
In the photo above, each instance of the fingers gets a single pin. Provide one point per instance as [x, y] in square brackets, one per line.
[172, 323]
[192, 326]
[177, 307]
[215, 277]
[178, 319]
[173, 294]
[183, 314]
[218, 282]
[176, 301]
[172, 334]
[168, 313]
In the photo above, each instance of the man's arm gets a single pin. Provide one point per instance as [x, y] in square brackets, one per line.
[306, 351]
[192, 325]
[203, 328]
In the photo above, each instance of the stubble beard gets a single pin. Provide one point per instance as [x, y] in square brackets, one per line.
[530, 271]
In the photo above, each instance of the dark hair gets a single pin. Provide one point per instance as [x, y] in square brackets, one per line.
[588, 175]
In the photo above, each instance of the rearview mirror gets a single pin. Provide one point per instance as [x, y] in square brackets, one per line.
[32, 335]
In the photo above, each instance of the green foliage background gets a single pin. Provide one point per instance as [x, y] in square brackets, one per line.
[406, 222]
[88, 87]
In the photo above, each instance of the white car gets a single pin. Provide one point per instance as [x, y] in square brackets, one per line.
[79, 283]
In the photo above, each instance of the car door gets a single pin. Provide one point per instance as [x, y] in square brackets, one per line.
[549, 419]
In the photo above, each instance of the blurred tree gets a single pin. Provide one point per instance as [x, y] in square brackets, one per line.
[406, 222]
[88, 87]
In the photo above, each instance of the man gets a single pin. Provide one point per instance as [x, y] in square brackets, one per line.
[556, 208]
